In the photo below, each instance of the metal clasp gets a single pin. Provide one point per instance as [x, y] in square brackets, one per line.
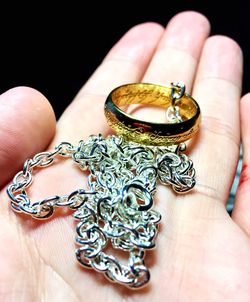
[173, 112]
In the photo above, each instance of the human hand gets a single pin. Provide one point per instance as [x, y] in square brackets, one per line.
[201, 253]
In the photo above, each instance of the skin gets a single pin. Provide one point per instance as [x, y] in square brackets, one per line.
[202, 252]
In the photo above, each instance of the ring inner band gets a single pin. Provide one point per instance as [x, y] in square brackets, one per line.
[145, 132]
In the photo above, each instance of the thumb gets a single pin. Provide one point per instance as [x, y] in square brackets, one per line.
[27, 125]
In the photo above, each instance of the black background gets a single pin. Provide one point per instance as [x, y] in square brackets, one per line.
[55, 49]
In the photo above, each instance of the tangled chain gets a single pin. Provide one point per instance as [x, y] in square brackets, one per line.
[116, 210]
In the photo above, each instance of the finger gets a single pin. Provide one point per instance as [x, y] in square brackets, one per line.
[27, 125]
[217, 89]
[126, 62]
[241, 211]
[179, 50]
[176, 58]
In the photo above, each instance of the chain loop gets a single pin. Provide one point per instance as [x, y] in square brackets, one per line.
[22, 180]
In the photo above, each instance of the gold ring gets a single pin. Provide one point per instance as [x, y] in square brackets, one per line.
[149, 133]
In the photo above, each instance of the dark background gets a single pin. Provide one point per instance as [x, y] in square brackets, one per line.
[56, 49]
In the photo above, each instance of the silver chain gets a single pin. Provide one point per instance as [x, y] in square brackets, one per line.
[117, 207]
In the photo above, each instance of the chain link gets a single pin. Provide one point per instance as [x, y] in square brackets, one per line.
[117, 208]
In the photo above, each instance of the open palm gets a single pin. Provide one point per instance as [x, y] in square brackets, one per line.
[202, 253]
